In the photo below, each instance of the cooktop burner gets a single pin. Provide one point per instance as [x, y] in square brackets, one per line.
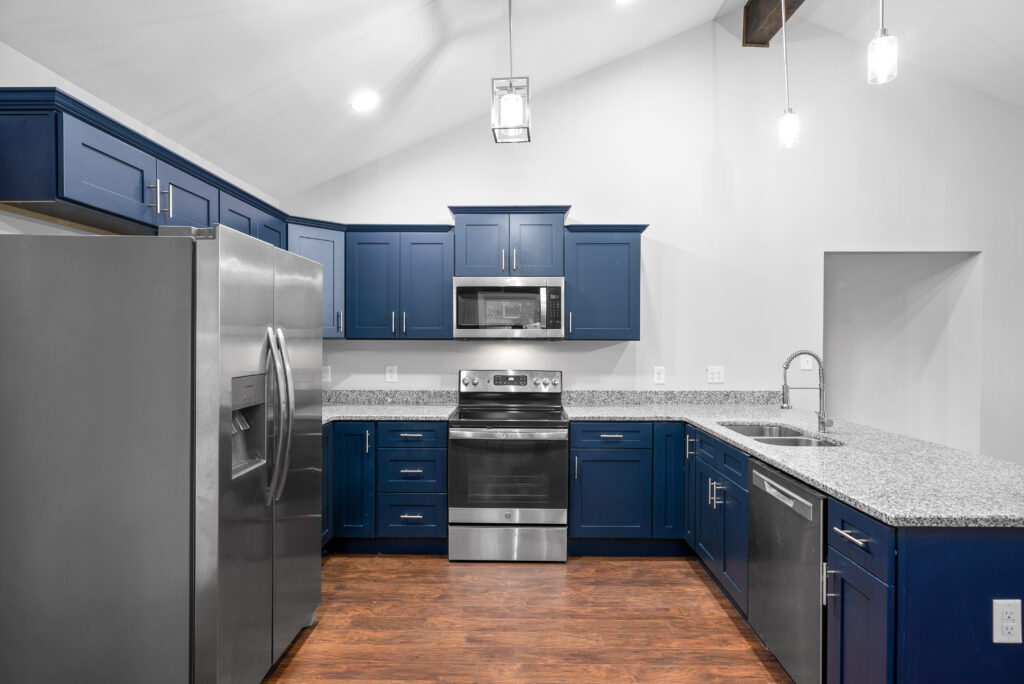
[510, 398]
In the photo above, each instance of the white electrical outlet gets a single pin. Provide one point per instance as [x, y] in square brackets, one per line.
[659, 375]
[1006, 628]
[716, 374]
[390, 373]
[806, 363]
[325, 374]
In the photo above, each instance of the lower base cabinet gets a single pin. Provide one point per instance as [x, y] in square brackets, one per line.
[353, 465]
[412, 515]
[858, 624]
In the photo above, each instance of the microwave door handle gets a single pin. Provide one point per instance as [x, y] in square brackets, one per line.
[543, 307]
[280, 413]
[290, 381]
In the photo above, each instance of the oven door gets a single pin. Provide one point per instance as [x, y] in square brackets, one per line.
[508, 476]
[508, 307]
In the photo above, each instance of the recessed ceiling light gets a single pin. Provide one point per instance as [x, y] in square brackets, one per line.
[366, 101]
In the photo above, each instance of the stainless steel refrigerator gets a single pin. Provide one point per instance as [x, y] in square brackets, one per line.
[160, 456]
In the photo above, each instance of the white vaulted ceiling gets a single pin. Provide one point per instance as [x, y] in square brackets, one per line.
[261, 87]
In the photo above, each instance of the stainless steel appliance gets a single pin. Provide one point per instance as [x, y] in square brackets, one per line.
[508, 467]
[160, 470]
[509, 307]
[786, 572]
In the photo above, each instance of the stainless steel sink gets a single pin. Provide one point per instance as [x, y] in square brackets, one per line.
[762, 430]
[797, 441]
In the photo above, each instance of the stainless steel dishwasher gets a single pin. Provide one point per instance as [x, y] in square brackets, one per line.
[786, 567]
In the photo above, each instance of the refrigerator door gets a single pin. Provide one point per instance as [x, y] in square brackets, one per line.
[298, 297]
[95, 458]
[237, 410]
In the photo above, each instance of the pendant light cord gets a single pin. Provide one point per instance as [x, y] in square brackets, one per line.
[785, 53]
[510, 72]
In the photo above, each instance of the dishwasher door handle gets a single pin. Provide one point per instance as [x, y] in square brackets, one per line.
[796, 503]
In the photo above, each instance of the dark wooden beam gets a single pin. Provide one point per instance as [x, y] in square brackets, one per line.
[762, 19]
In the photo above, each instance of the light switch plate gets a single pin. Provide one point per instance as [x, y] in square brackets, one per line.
[659, 375]
[1006, 628]
[390, 373]
[716, 375]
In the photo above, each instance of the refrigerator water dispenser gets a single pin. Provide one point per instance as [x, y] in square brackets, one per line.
[248, 423]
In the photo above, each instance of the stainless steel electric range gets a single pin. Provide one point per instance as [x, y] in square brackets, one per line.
[508, 467]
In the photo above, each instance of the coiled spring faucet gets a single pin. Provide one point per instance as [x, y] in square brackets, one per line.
[824, 422]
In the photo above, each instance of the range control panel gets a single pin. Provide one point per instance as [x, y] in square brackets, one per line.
[510, 381]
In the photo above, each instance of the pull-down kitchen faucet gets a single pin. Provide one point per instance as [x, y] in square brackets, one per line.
[824, 422]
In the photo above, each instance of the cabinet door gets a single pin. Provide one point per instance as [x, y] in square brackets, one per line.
[733, 508]
[610, 493]
[188, 201]
[353, 475]
[239, 215]
[859, 624]
[100, 171]
[273, 230]
[326, 504]
[481, 245]
[326, 247]
[537, 243]
[690, 496]
[371, 285]
[708, 521]
[602, 286]
[669, 481]
[427, 267]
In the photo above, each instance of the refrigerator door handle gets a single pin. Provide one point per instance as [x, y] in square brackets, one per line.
[290, 416]
[281, 413]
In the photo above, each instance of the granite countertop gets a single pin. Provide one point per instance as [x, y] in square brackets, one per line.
[902, 481]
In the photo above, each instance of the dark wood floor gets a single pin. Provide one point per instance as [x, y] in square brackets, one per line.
[423, 619]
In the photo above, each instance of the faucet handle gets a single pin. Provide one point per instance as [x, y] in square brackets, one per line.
[824, 421]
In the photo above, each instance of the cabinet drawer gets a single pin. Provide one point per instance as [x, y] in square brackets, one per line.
[412, 515]
[875, 553]
[412, 469]
[412, 434]
[728, 460]
[611, 435]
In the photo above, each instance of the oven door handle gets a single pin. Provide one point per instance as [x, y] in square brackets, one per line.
[533, 434]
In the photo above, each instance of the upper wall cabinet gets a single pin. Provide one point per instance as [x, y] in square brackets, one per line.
[398, 282]
[326, 246]
[61, 158]
[509, 241]
[602, 282]
[246, 218]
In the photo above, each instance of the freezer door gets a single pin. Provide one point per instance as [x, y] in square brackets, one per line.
[237, 411]
[298, 301]
[95, 458]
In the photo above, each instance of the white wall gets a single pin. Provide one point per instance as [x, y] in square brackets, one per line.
[682, 136]
[903, 343]
[18, 70]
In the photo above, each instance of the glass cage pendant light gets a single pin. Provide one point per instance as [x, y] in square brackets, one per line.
[510, 101]
[789, 122]
[882, 52]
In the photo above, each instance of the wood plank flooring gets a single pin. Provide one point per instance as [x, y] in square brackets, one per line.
[593, 619]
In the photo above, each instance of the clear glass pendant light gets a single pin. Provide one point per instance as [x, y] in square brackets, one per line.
[510, 101]
[789, 122]
[882, 52]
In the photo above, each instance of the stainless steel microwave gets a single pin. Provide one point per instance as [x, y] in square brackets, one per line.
[504, 308]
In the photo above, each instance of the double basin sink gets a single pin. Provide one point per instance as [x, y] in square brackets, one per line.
[779, 435]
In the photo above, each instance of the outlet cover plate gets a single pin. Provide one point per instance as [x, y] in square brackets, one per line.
[390, 373]
[716, 375]
[1006, 627]
[806, 363]
[659, 375]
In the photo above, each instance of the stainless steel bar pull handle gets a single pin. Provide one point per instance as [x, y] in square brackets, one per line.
[392, 322]
[611, 436]
[411, 471]
[289, 378]
[689, 441]
[170, 200]
[406, 516]
[709, 491]
[714, 495]
[411, 435]
[576, 474]
[367, 441]
[403, 322]
[502, 258]
[157, 188]
[847, 535]
[570, 322]
[514, 267]
[340, 324]
[280, 413]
